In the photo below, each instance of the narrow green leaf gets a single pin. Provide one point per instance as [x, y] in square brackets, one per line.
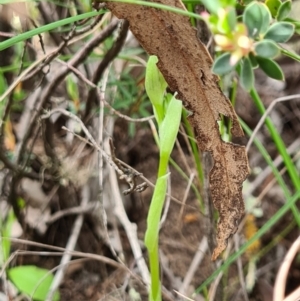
[155, 210]
[222, 64]
[155, 85]
[267, 48]
[169, 127]
[29, 34]
[284, 10]
[271, 68]
[33, 281]
[280, 32]
[273, 6]
[247, 75]
[6, 232]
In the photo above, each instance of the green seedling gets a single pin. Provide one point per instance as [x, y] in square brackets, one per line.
[168, 116]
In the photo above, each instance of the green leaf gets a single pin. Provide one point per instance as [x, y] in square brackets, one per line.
[6, 232]
[33, 281]
[212, 5]
[280, 32]
[226, 3]
[247, 75]
[284, 10]
[267, 48]
[295, 22]
[253, 60]
[155, 210]
[222, 64]
[273, 6]
[45, 28]
[271, 68]
[257, 18]
[155, 85]
[169, 128]
[227, 21]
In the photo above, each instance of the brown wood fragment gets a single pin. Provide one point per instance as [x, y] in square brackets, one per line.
[186, 66]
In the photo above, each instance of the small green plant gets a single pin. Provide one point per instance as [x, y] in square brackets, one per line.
[251, 40]
[167, 110]
[31, 280]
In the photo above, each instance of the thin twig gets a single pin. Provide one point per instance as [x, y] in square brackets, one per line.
[186, 193]
[70, 247]
[240, 268]
[130, 228]
[108, 57]
[281, 278]
[70, 211]
[265, 115]
[76, 60]
[128, 166]
[92, 85]
[268, 170]
[87, 133]
[200, 253]
[101, 258]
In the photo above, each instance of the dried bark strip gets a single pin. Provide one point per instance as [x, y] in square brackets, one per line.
[186, 66]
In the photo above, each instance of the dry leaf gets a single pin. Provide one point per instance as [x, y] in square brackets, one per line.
[186, 66]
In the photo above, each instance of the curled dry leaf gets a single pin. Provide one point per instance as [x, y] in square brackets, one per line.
[186, 66]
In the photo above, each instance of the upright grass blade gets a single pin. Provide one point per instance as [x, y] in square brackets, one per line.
[292, 171]
[29, 34]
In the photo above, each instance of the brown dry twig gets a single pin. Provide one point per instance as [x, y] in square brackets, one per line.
[127, 174]
[94, 86]
[115, 163]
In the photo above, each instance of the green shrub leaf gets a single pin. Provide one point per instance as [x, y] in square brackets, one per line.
[273, 6]
[284, 10]
[257, 18]
[222, 64]
[267, 48]
[253, 61]
[280, 32]
[271, 68]
[33, 281]
[247, 75]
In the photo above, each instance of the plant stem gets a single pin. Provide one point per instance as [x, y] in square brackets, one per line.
[290, 54]
[155, 294]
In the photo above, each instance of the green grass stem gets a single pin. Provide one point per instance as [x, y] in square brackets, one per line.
[275, 171]
[291, 169]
